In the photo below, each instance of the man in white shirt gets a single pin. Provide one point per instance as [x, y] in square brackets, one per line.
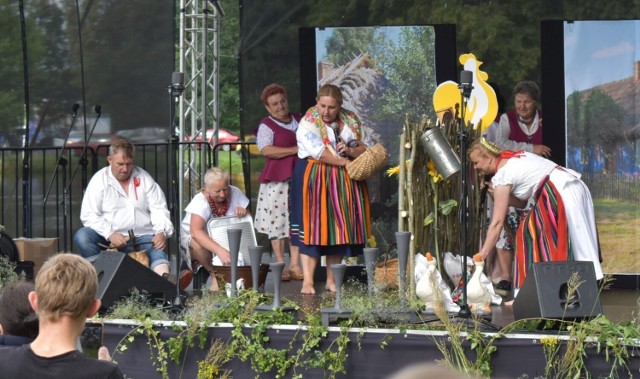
[123, 197]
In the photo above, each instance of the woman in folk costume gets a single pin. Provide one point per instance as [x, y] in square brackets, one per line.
[329, 211]
[276, 139]
[560, 225]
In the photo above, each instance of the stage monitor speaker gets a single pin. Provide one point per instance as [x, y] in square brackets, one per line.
[545, 289]
[118, 274]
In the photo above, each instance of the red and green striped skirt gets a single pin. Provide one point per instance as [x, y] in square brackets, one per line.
[543, 235]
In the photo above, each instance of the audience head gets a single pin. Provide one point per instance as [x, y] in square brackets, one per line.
[17, 317]
[428, 371]
[66, 285]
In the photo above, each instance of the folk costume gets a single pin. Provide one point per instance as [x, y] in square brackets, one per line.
[330, 211]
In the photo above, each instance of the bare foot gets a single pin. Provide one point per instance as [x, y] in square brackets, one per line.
[508, 303]
[330, 286]
[307, 289]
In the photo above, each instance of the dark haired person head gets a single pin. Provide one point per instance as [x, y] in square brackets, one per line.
[18, 321]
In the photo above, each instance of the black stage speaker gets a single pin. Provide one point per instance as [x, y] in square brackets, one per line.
[118, 274]
[544, 292]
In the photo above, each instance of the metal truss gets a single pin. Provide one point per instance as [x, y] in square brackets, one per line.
[198, 107]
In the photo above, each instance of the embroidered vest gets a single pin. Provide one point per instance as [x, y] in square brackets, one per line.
[279, 170]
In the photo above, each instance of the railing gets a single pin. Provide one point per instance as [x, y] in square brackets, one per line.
[613, 186]
[56, 213]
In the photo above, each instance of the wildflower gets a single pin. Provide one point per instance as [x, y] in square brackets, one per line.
[435, 175]
[549, 341]
[372, 241]
[396, 170]
[393, 171]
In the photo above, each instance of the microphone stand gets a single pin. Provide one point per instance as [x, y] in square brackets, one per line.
[463, 135]
[81, 162]
[175, 91]
[61, 162]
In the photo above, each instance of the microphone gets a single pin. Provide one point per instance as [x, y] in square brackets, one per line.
[466, 82]
[98, 109]
[336, 132]
[75, 108]
[177, 84]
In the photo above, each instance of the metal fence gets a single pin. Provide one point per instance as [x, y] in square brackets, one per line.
[41, 188]
[613, 186]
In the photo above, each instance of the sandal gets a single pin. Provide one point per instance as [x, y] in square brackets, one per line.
[295, 272]
[285, 275]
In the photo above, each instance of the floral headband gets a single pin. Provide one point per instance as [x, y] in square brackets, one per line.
[492, 147]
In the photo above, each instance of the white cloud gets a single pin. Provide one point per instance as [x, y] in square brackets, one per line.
[622, 48]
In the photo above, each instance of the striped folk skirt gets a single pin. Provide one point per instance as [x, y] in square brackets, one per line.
[543, 235]
[329, 212]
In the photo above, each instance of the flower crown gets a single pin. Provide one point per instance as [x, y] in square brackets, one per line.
[492, 147]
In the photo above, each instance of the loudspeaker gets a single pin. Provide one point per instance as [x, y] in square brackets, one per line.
[545, 290]
[118, 274]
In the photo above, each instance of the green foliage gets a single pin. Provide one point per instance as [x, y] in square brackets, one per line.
[7, 271]
[137, 306]
[409, 66]
[250, 345]
[344, 41]
[312, 348]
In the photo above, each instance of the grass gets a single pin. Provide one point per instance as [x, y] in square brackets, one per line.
[619, 233]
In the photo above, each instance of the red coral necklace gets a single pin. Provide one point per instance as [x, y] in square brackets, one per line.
[216, 209]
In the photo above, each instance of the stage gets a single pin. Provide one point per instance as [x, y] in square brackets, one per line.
[378, 352]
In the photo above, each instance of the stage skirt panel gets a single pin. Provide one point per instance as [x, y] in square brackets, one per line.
[329, 212]
[543, 234]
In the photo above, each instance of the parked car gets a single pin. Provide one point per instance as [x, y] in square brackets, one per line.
[75, 142]
[224, 136]
[146, 134]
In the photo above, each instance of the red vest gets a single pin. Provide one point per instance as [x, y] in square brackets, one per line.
[516, 134]
[279, 170]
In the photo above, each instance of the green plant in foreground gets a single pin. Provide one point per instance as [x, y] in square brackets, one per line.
[7, 271]
[249, 340]
[312, 348]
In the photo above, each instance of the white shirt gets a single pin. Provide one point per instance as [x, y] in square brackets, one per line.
[200, 206]
[107, 208]
[311, 145]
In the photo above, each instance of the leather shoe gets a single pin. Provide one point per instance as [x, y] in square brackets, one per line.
[295, 273]
[186, 276]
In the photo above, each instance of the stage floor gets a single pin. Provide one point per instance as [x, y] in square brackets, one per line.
[618, 305]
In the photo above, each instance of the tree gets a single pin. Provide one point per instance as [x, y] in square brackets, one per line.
[604, 119]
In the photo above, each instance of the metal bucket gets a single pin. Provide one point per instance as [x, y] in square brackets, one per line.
[436, 146]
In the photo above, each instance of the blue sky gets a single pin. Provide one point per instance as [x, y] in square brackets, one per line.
[392, 33]
[598, 52]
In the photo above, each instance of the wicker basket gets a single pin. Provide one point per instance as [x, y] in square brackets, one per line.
[387, 273]
[368, 163]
